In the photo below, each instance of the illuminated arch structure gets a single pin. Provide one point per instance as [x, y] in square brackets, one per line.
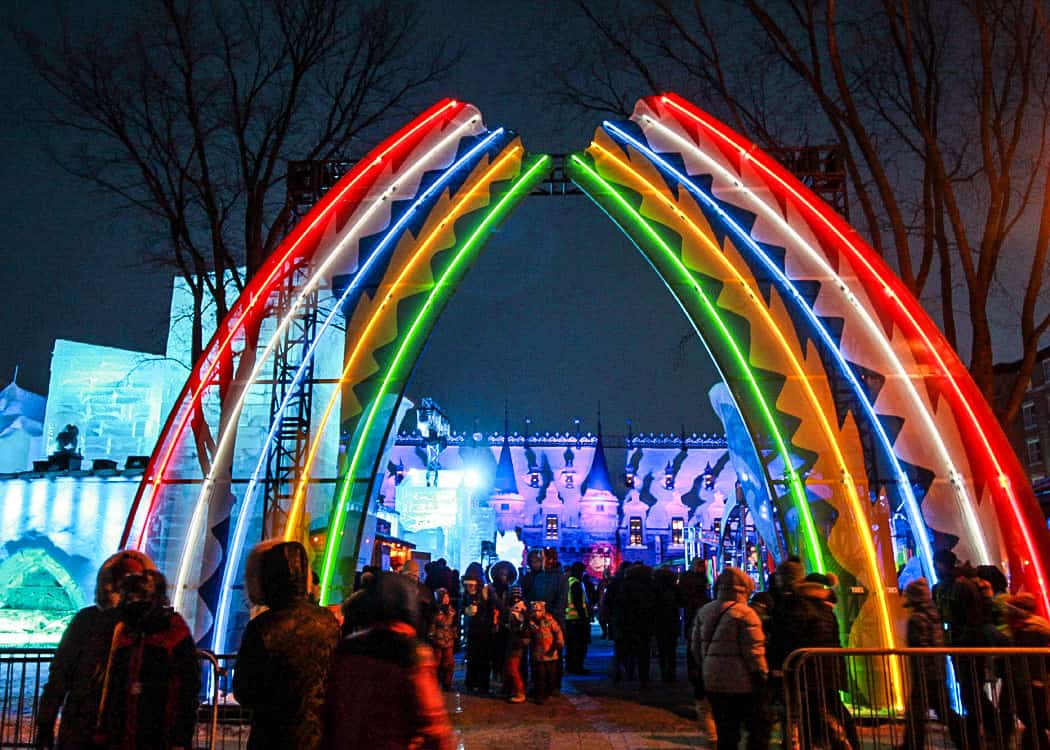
[853, 401]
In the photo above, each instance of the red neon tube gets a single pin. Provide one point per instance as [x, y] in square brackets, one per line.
[991, 456]
[338, 204]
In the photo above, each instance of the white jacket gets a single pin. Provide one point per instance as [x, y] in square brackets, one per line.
[729, 643]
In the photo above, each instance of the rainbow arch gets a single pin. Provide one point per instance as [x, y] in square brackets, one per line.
[851, 394]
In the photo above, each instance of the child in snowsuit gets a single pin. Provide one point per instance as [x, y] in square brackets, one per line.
[518, 631]
[547, 645]
[443, 636]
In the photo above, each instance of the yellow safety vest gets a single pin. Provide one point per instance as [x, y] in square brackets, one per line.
[571, 613]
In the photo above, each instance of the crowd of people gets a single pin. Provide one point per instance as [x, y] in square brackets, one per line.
[741, 641]
[370, 673]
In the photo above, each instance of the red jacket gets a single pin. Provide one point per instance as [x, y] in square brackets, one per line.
[382, 694]
[149, 694]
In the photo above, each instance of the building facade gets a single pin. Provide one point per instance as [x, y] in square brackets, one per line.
[495, 496]
[1030, 433]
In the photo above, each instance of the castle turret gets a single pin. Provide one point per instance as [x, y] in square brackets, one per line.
[598, 506]
[505, 499]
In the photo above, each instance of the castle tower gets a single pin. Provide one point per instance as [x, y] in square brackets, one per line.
[598, 506]
[505, 499]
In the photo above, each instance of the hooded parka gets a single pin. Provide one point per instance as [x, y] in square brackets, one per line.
[284, 656]
[727, 637]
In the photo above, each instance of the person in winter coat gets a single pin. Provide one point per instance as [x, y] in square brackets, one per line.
[959, 600]
[381, 691]
[729, 645]
[284, 654]
[74, 683]
[927, 673]
[602, 611]
[424, 598]
[153, 674]
[501, 574]
[355, 606]
[804, 617]
[666, 625]
[443, 636]
[479, 622]
[544, 582]
[547, 643]
[639, 602]
[516, 618]
[613, 611]
[439, 576]
[577, 621]
[694, 591]
[1029, 674]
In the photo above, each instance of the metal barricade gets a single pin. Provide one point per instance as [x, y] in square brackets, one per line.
[221, 724]
[966, 698]
[23, 673]
[233, 721]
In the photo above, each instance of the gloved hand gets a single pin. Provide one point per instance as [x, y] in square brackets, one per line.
[45, 736]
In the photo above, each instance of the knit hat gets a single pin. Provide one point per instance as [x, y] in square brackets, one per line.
[917, 592]
[819, 586]
[732, 581]
[394, 598]
[824, 579]
[474, 573]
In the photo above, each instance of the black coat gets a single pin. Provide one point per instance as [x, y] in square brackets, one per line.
[75, 679]
[283, 661]
[280, 674]
[800, 622]
[639, 599]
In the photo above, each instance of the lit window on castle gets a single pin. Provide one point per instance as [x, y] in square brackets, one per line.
[677, 530]
[635, 538]
[504, 506]
[600, 508]
[552, 527]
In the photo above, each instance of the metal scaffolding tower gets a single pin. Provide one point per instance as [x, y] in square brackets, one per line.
[307, 182]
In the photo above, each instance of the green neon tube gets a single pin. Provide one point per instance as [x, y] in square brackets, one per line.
[795, 486]
[437, 294]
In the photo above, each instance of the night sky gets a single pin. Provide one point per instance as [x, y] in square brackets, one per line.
[560, 312]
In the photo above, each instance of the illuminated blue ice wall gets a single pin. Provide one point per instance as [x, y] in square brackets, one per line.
[55, 531]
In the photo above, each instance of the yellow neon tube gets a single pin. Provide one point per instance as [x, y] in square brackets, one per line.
[299, 496]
